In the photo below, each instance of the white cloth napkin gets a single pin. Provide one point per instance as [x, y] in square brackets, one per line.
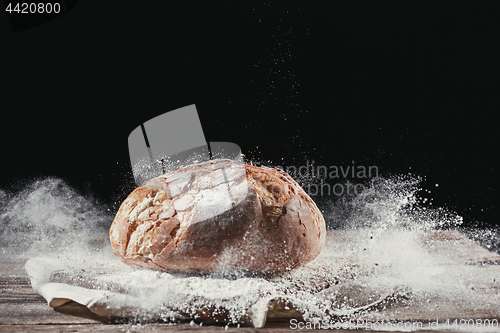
[112, 289]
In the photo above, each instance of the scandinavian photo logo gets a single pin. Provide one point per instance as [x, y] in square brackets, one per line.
[331, 180]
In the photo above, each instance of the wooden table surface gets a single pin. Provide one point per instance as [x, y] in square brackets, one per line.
[22, 310]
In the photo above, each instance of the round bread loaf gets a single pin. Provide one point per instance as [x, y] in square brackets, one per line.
[219, 216]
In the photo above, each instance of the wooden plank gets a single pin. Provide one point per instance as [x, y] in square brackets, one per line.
[148, 328]
[186, 327]
[154, 328]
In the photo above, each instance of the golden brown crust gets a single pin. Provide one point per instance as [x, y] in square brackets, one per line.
[218, 216]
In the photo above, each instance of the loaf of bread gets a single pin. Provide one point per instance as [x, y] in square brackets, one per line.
[219, 216]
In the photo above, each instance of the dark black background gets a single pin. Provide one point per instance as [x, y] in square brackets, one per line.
[406, 86]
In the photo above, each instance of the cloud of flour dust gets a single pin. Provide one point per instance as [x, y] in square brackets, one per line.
[50, 217]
